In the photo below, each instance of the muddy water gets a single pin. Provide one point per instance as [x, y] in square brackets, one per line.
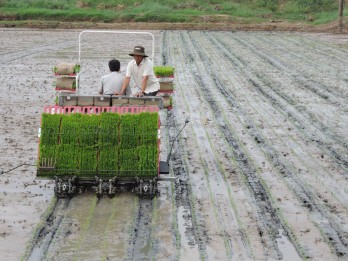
[261, 168]
[94, 229]
[287, 249]
[188, 248]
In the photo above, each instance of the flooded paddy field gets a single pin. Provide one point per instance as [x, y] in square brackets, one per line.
[261, 168]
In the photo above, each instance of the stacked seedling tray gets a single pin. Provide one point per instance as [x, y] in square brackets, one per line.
[66, 76]
[165, 75]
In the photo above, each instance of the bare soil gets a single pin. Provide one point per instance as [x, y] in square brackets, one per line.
[220, 23]
[262, 167]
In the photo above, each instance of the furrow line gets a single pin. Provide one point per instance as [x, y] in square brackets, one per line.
[169, 121]
[331, 229]
[312, 84]
[267, 213]
[185, 198]
[164, 47]
[218, 216]
[141, 236]
[47, 230]
[85, 227]
[229, 222]
[211, 173]
[316, 68]
[312, 162]
[293, 115]
[319, 47]
[285, 49]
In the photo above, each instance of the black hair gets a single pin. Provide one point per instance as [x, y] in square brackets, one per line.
[114, 65]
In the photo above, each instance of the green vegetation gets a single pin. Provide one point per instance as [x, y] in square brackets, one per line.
[108, 144]
[164, 71]
[318, 11]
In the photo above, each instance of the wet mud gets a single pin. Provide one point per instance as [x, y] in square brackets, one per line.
[261, 167]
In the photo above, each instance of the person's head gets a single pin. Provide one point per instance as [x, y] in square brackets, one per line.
[138, 54]
[114, 65]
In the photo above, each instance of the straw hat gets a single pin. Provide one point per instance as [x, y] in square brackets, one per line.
[138, 50]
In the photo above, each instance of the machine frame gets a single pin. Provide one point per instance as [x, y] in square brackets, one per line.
[68, 185]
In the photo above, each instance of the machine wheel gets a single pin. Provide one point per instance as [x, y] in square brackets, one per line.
[65, 187]
[105, 187]
[146, 188]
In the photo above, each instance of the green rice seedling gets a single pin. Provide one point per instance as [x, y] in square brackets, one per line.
[47, 151]
[129, 131]
[108, 160]
[164, 71]
[148, 124]
[107, 144]
[50, 124]
[87, 161]
[67, 159]
[137, 134]
[89, 130]
[47, 157]
[70, 128]
[148, 160]
[109, 128]
[127, 162]
[49, 138]
[77, 68]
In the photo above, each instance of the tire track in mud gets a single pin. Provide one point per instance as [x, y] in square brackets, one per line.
[332, 230]
[184, 197]
[270, 223]
[318, 47]
[283, 49]
[293, 115]
[141, 242]
[323, 59]
[68, 234]
[224, 226]
[304, 83]
[164, 48]
[298, 77]
[44, 237]
[293, 138]
[96, 229]
[300, 80]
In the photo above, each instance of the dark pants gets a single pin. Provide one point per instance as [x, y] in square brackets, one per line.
[151, 93]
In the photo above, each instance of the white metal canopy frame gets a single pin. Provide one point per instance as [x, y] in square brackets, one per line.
[113, 32]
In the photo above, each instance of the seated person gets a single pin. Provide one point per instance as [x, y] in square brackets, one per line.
[113, 81]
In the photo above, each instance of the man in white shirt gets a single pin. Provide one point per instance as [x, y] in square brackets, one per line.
[141, 71]
[113, 81]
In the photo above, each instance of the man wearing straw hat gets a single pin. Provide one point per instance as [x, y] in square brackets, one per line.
[141, 71]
